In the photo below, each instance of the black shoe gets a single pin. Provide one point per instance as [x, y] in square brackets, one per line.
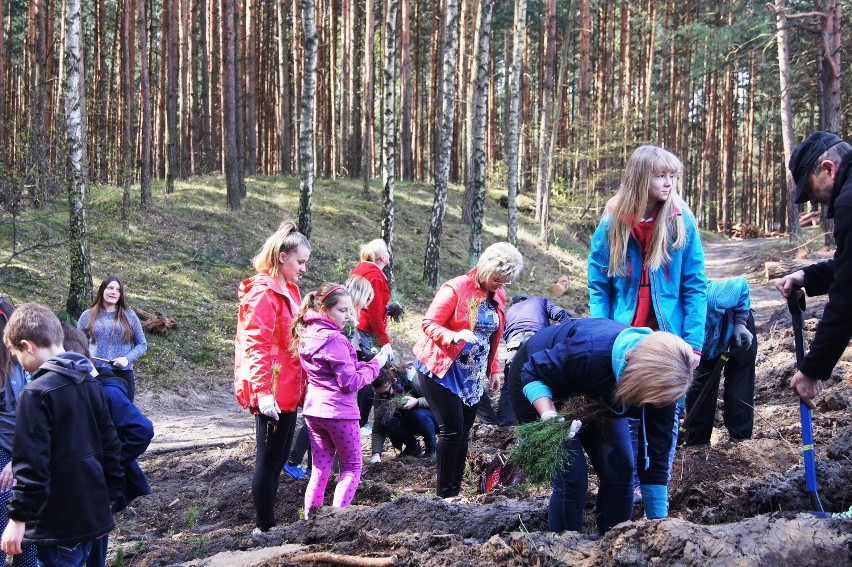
[413, 450]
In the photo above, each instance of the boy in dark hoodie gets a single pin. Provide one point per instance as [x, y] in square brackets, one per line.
[66, 455]
[135, 432]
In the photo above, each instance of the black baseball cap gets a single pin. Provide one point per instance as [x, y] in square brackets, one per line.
[804, 159]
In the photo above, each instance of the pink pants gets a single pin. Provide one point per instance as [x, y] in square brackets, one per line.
[328, 436]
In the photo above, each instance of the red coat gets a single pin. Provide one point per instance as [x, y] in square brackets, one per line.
[374, 319]
[449, 313]
[263, 340]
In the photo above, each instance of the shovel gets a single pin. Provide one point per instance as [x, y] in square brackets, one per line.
[796, 305]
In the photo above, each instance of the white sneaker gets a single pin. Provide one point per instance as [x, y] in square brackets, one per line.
[367, 430]
[376, 458]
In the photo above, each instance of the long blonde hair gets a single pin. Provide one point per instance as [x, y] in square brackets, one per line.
[657, 371]
[328, 295]
[629, 205]
[287, 239]
[361, 291]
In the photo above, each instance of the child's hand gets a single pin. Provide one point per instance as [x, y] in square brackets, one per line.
[268, 407]
[410, 403]
[382, 358]
[12, 536]
[120, 362]
[7, 481]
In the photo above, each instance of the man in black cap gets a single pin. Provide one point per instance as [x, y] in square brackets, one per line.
[822, 169]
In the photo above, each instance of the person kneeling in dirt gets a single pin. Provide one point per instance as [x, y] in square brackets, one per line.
[636, 372]
[401, 413]
[729, 345]
[135, 432]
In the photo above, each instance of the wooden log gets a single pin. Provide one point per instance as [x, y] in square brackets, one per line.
[774, 270]
[560, 286]
[155, 323]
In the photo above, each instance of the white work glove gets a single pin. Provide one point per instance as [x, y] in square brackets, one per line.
[388, 350]
[268, 406]
[465, 335]
[575, 427]
[552, 415]
[742, 337]
[382, 358]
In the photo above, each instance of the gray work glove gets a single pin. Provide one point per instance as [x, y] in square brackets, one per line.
[742, 337]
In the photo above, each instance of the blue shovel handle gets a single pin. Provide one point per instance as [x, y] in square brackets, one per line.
[796, 305]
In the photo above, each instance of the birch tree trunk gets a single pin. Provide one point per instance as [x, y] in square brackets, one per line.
[145, 102]
[80, 288]
[306, 126]
[389, 135]
[477, 157]
[432, 260]
[543, 188]
[513, 146]
[368, 102]
[406, 86]
[229, 106]
[792, 219]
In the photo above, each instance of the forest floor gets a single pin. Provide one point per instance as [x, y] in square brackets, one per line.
[730, 504]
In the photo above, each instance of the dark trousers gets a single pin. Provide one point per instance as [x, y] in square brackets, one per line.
[405, 425]
[301, 445]
[128, 376]
[64, 555]
[98, 553]
[273, 444]
[738, 414]
[454, 420]
[608, 449]
[365, 404]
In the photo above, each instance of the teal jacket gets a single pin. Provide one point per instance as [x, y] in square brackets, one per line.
[678, 289]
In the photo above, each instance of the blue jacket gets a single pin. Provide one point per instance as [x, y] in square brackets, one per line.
[584, 356]
[135, 432]
[9, 393]
[728, 303]
[530, 315]
[678, 289]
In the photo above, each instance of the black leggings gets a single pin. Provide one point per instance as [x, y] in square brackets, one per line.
[454, 422]
[273, 444]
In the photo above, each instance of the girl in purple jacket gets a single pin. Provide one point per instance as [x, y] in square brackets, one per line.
[334, 377]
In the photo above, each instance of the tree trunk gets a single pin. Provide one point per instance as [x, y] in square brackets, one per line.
[80, 287]
[250, 56]
[368, 101]
[3, 116]
[172, 64]
[306, 128]
[145, 88]
[405, 91]
[229, 104]
[830, 67]
[792, 220]
[583, 94]
[546, 90]
[477, 158]
[129, 139]
[389, 135]
[520, 35]
[285, 79]
[432, 260]
[206, 150]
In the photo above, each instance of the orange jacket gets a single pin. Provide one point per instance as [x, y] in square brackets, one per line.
[263, 342]
[449, 313]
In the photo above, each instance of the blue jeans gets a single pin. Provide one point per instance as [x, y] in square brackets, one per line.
[64, 555]
[420, 421]
[609, 451]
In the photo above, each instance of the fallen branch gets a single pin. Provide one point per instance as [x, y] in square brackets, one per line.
[337, 559]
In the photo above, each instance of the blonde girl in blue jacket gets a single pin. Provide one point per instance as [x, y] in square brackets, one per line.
[646, 264]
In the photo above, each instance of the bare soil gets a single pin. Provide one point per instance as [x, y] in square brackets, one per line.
[731, 503]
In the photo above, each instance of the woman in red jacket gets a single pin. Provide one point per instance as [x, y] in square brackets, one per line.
[268, 377]
[457, 354]
[373, 319]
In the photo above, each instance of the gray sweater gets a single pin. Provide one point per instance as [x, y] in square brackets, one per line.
[108, 343]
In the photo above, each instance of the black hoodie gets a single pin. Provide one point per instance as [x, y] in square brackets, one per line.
[66, 456]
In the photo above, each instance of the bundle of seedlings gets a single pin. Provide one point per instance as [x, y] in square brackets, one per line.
[542, 451]
[384, 408]
[387, 394]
